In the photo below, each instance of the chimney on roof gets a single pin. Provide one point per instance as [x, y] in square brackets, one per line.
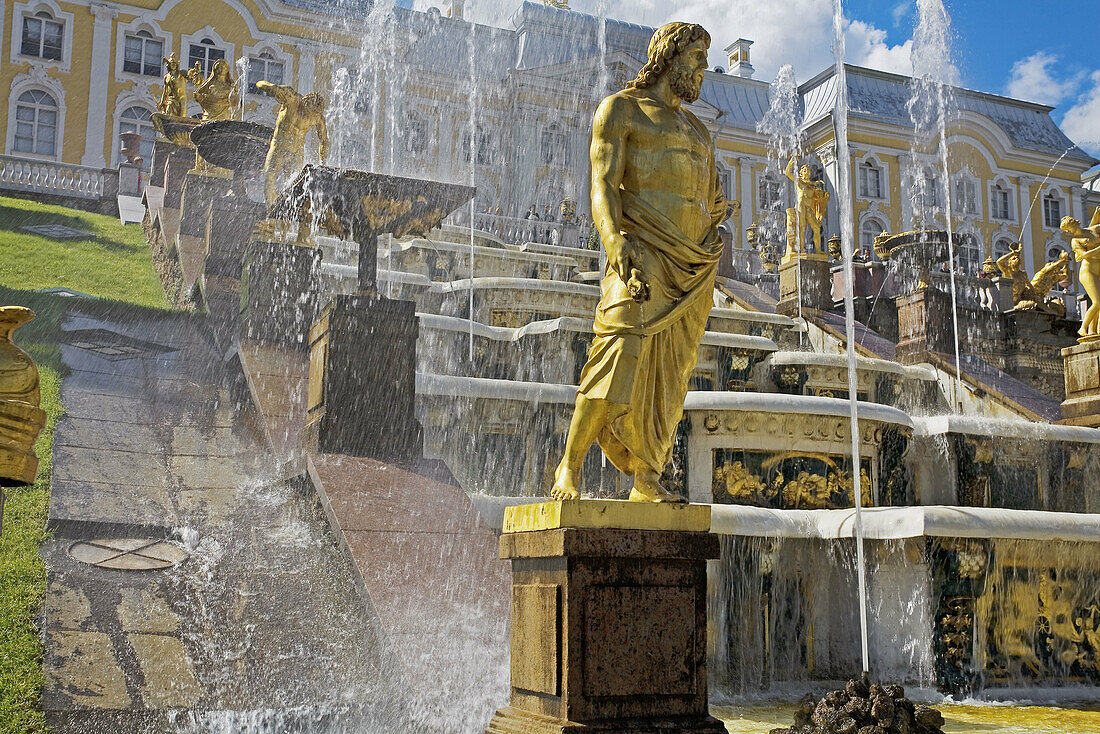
[738, 53]
[455, 10]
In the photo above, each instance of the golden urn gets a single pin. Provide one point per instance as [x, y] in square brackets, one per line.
[21, 420]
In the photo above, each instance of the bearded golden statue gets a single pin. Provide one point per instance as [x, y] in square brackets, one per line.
[657, 203]
[810, 210]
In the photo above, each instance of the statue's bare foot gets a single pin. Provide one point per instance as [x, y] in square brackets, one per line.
[565, 484]
[648, 489]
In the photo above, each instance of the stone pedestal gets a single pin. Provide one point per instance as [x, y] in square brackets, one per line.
[229, 226]
[129, 179]
[279, 293]
[199, 191]
[1082, 404]
[609, 619]
[175, 170]
[359, 406]
[809, 277]
[162, 149]
[925, 324]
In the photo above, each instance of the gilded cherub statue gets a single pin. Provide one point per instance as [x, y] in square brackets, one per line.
[1032, 294]
[1086, 250]
[810, 208]
[218, 94]
[657, 204]
[299, 114]
[173, 98]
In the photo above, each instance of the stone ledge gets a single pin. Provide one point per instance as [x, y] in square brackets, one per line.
[607, 515]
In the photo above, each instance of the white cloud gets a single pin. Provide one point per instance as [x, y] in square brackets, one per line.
[796, 32]
[901, 12]
[1033, 79]
[1082, 121]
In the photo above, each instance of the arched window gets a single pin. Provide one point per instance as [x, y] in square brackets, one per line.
[968, 254]
[415, 133]
[139, 120]
[204, 53]
[36, 123]
[869, 230]
[1054, 252]
[870, 179]
[999, 202]
[1001, 248]
[43, 36]
[1052, 210]
[142, 54]
[264, 67]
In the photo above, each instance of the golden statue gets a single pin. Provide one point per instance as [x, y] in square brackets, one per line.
[173, 98]
[218, 94]
[1086, 250]
[299, 114]
[657, 204]
[21, 419]
[1032, 294]
[809, 211]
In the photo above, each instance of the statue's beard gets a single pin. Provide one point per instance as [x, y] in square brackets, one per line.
[683, 83]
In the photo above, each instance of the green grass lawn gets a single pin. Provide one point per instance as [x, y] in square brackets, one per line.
[113, 263]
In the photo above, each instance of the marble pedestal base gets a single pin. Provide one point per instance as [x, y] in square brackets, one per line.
[609, 626]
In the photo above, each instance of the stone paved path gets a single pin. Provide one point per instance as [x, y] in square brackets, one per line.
[261, 628]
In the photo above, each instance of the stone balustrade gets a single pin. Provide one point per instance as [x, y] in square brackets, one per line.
[58, 179]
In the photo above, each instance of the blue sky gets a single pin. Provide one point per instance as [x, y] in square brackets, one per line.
[1041, 50]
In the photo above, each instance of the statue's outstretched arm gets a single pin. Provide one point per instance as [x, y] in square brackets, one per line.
[281, 92]
[789, 172]
[610, 130]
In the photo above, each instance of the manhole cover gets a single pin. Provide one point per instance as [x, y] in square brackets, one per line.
[57, 232]
[128, 554]
[112, 346]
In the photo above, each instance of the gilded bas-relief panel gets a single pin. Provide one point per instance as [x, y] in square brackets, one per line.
[789, 480]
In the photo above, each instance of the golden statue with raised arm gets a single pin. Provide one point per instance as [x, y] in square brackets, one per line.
[657, 204]
[299, 114]
[810, 207]
[173, 98]
[1086, 250]
[217, 94]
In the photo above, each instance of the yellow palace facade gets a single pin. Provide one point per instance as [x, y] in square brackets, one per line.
[510, 110]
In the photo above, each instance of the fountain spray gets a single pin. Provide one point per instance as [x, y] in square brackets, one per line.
[844, 173]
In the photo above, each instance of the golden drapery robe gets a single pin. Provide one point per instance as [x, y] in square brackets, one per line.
[643, 354]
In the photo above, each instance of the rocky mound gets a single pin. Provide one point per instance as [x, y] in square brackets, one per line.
[863, 708]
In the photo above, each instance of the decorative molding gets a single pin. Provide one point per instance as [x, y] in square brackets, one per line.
[37, 77]
[21, 10]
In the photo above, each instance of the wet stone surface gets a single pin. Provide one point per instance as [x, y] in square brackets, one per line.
[190, 589]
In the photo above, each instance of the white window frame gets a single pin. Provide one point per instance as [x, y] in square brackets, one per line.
[875, 160]
[998, 253]
[1002, 182]
[1055, 193]
[413, 114]
[272, 47]
[877, 220]
[123, 102]
[965, 176]
[777, 181]
[23, 84]
[560, 157]
[975, 235]
[141, 23]
[30, 9]
[186, 40]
